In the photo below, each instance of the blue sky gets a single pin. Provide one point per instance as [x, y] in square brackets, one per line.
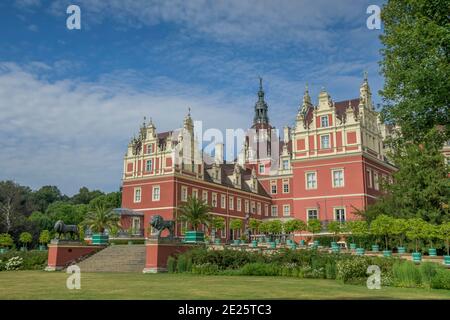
[71, 99]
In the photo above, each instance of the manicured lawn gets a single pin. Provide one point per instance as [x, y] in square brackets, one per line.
[52, 285]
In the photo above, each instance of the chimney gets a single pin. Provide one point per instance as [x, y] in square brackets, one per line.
[287, 134]
[218, 153]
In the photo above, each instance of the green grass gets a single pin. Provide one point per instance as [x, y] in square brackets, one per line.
[52, 285]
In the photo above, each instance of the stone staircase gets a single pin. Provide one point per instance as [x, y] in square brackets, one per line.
[115, 258]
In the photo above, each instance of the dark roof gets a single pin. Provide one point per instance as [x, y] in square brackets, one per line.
[342, 106]
[227, 170]
[127, 212]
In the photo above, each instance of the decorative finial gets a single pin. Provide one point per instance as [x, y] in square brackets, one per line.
[365, 75]
[306, 87]
[260, 83]
[189, 111]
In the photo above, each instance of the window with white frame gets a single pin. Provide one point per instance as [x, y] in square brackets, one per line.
[324, 121]
[156, 193]
[369, 178]
[286, 210]
[286, 186]
[137, 194]
[239, 204]
[313, 214]
[273, 187]
[261, 168]
[376, 182]
[231, 203]
[338, 178]
[150, 148]
[285, 164]
[205, 196]
[339, 214]
[258, 208]
[325, 141]
[266, 210]
[253, 207]
[195, 193]
[274, 212]
[214, 200]
[148, 165]
[223, 201]
[184, 193]
[246, 206]
[311, 180]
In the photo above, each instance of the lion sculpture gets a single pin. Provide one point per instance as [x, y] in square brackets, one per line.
[159, 224]
[61, 228]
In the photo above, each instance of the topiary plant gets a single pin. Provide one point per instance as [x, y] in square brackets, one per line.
[25, 238]
[44, 237]
[6, 241]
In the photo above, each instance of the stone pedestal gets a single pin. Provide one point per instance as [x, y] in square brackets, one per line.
[61, 253]
[159, 250]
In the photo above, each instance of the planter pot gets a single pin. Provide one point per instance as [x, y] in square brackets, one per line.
[375, 248]
[254, 244]
[447, 260]
[401, 250]
[3, 250]
[302, 242]
[289, 241]
[23, 249]
[334, 244]
[336, 249]
[217, 241]
[100, 239]
[194, 236]
[352, 246]
[416, 257]
[273, 245]
[432, 252]
[360, 251]
[316, 243]
[387, 253]
[293, 246]
[236, 242]
[42, 247]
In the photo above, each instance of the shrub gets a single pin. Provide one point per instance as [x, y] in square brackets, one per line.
[330, 270]
[25, 238]
[406, 274]
[171, 265]
[6, 240]
[14, 263]
[428, 270]
[352, 270]
[44, 237]
[182, 264]
[441, 280]
[206, 269]
[260, 269]
[32, 260]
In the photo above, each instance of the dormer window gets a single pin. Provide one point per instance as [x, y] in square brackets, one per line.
[285, 164]
[324, 121]
[261, 168]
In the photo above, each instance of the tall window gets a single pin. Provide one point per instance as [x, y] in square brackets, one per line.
[274, 212]
[238, 204]
[313, 214]
[137, 194]
[195, 193]
[339, 214]
[261, 168]
[223, 203]
[184, 193]
[376, 182]
[285, 186]
[286, 210]
[148, 165]
[273, 187]
[266, 210]
[324, 121]
[246, 206]
[285, 164]
[338, 178]
[214, 200]
[258, 208]
[369, 178]
[156, 193]
[311, 180]
[325, 141]
[205, 196]
[150, 148]
[252, 207]
[231, 203]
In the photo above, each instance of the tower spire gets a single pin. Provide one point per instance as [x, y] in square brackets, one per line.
[261, 108]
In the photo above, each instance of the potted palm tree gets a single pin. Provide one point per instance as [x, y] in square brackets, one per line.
[444, 234]
[25, 238]
[217, 223]
[44, 238]
[381, 227]
[414, 232]
[6, 242]
[236, 224]
[98, 220]
[314, 226]
[359, 229]
[398, 229]
[195, 212]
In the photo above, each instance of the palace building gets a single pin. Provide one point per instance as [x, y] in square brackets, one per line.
[326, 167]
